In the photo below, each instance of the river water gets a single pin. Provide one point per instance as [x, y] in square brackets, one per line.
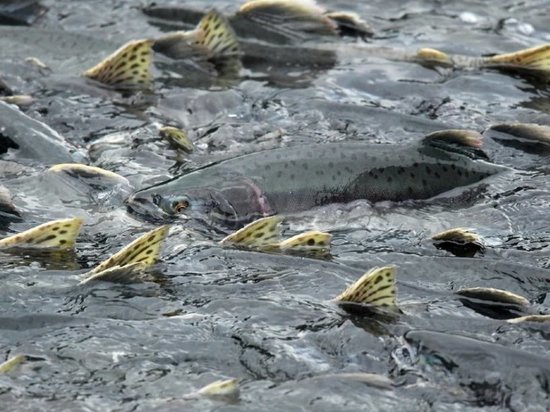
[267, 319]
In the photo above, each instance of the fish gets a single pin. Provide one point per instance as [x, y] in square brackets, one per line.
[32, 139]
[294, 179]
[459, 241]
[70, 55]
[376, 288]
[11, 363]
[302, 33]
[495, 303]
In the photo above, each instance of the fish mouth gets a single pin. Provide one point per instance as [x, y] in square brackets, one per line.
[146, 208]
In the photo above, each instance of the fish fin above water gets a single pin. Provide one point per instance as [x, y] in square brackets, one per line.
[92, 175]
[494, 303]
[54, 235]
[459, 241]
[376, 287]
[494, 295]
[20, 100]
[465, 142]
[7, 208]
[309, 241]
[458, 234]
[527, 136]
[261, 232]
[227, 387]
[131, 273]
[293, 18]
[127, 68]
[11, 363]
[177, 137]
[433, 56]
[530, 318]
[216, 35]
[350, 24]
[144, 249]
[534, 58]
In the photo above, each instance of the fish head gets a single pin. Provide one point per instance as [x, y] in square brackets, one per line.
[196, 203]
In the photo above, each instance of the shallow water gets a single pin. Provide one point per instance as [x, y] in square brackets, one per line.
[267, 319]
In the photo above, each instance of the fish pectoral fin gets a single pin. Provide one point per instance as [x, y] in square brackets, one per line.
[461, 141]
[309, 241]
[291, 18]
[54, 235]
[376, 287]
[127, 68]
[534, 58]
[261, 232]
[144, 250]
[131, 273]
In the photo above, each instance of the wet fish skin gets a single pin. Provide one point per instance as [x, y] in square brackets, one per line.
[294, 179]
[33, 139]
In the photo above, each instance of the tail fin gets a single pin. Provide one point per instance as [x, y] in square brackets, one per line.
[127, 68]
[465, 142]
[135, 257]
[535, 58]
[376, 287]
[55, 235]
[213, 38]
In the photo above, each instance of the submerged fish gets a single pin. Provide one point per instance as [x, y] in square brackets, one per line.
[302, 33]
[294, 179]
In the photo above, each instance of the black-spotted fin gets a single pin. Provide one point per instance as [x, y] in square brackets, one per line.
[12, 363]
[291, 17]
[132, 273]
[127, 68]
[177, 137]
[144, 250]
[55, 235]
[530, 318]
[260, 233]
[534, 58]
[313, 241]
[213, 38]
[376, 287]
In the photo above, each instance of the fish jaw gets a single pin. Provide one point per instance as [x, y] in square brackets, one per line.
[144, 205]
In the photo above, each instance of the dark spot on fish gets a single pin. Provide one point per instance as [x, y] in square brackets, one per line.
[389, 179]
[330, 165]
[437, 175]
[305, 166]
[459, 172]
[428, 170]
[217, 26]
[55, 228]
[149, 251]
[124, 55]
[151, 239]
[445, 169]
[279, 174]
[267, 167]
[311, 242]
[63, 232]
[378, 279]
[466, 173]
[453, 167]
[292, 177]
[388, 274]
[132, 57]
[67, 225]
[424, 183]
[321, 243]
[410, 190]
[134, 66]
[415, 164]
[401, 170]
[50, 237]
[285, 165]
[412, 175]
[62, 241]
[258, 235]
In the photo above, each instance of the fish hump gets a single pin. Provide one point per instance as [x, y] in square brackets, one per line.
[54, 235]
[376, 287]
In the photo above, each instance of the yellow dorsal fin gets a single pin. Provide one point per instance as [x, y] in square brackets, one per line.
[12, 363]
[88, 173]
[530, 318]
[216, 35]
[290, 16]
[55, 235]
[144, 249]
[311, 241]
[134, 272]
[264, 231]
[177, 137]
[127, 68]
[427, 55]
[376, 287]
[459, 235]
[228, 387]
[534, 58]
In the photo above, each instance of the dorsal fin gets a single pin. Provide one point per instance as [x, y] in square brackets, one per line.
[350, 24]
[533, 58]
[127, 68]
[530, 318]
[376, 287]
[134, 272]
[216, 35]
[293, 18]
[261, 232]
[54, 235]
[465, 142]
[227, 387]
[177, 137]
[92, 175]
[529, 136]
[11, 363]
[433, 56]
[313, 241]
[144, 249]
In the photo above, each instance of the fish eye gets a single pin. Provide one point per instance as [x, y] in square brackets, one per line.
[180, 205]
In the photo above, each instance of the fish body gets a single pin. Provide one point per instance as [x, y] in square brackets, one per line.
[295, 179]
